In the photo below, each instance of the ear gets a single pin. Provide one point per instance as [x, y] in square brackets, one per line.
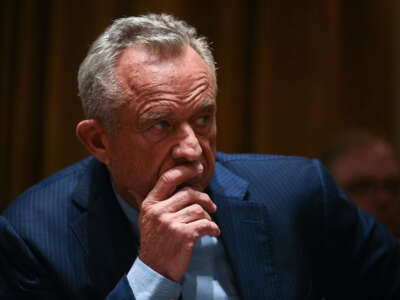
[94, 137]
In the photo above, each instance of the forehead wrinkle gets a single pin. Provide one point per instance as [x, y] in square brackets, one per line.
[200, 88]
[144, 90]
[197, 91]
[163, 92]
[158, 112]
[154, 108]
[171, 82]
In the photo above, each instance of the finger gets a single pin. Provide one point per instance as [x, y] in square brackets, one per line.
[190, 214]
[186, 197]
[201, 228]
[171, 179]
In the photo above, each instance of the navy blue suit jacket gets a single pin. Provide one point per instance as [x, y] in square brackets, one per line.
[289, 233]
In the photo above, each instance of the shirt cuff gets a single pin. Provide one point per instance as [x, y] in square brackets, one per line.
[148, 284]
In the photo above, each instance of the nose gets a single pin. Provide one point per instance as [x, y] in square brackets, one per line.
[188, 146]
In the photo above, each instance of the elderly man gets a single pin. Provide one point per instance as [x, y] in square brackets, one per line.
[156, 213]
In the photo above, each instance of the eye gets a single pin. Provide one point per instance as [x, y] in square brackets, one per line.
[203, 120]
[162, 125]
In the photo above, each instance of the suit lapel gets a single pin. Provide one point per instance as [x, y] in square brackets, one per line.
[111, 247]
[245, 234]
[103, 230]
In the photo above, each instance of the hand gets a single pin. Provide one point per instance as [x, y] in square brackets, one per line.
[170, 225]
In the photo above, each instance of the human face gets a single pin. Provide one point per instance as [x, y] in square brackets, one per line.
[169, 120]
[371, 177]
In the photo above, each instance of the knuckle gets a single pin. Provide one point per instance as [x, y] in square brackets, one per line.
[166, 178]
[163, 220]
[197, 209]
[186, 189]
[187, 192]
[191, 235]
[202, 225]
[146, 209]
[156, 215]
[151, 211]
[172, 226]
[208, 226]
[188, 246]
[194, 235]
[204, 197]
[181, 194]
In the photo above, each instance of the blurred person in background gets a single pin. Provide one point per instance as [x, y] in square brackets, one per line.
[367, 168]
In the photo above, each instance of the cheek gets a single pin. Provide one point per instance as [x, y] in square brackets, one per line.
[138, 170]
[211, 139]
[158, 160]
[209, 151]
[129, 159]
[122, 166]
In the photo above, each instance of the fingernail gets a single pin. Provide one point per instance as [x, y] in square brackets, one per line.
[199, 167]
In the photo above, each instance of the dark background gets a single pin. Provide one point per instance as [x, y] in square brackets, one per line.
[292, 74]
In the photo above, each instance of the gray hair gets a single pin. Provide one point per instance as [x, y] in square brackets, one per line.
[99, 91]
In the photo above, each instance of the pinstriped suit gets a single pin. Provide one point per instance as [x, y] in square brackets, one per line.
[289, 233]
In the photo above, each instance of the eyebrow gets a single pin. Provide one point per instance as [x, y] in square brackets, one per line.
[209, 104]
[155, 115]
[151, 116]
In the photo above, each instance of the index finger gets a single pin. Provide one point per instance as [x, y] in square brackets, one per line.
[172, 178]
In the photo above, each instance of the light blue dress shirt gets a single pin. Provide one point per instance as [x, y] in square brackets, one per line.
[209, 275]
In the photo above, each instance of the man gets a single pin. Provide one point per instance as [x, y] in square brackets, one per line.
[367, 168]
[155, 213]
